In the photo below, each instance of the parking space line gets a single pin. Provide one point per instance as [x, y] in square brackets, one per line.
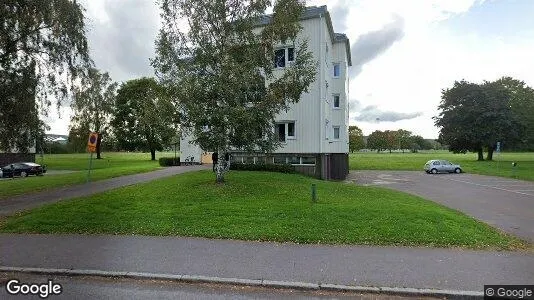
[489, 186]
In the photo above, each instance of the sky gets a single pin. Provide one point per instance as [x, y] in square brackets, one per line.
[403, 52]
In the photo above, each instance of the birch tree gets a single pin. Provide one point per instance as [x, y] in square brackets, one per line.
[93, 104]
[43, 48]
[218, 58]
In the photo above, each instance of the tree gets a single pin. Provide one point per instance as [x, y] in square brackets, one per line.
[390, 138]
[476, 116]
[377, 140]
[522, 105]
[403, 139]
[419, 143]
[43, 48]
[77, 140]
[221, 66]
[356, 141]
[93, 105]
[144, 116]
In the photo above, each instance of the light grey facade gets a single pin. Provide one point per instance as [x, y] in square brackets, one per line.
[314, 131]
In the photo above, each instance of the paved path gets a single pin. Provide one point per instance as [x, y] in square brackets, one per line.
[27, 201]
[505, 203]
[346, 265]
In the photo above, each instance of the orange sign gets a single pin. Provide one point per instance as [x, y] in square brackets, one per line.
[91, 143]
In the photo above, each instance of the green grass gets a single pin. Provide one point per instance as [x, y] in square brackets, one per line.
[265, 207]
[500, 166]
[112, 164]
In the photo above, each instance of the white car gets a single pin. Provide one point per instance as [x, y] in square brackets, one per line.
[435, 166]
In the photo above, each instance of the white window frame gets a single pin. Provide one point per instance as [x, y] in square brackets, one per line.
[334, 133]
[286, 128]
[294, 136]
[334, 70]
[334, 101]
[287, 62]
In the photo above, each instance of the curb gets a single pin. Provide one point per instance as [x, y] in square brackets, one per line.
[414, 292]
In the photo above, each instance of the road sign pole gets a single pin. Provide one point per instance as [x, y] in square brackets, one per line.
[90, 166]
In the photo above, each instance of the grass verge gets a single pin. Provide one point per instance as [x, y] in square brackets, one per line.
[111, 165]
[500, 166]
[265, 207]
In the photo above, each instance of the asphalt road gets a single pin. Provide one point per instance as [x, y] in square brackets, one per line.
[113, 288]
[504, 203]
[27, 201]
[446, 269]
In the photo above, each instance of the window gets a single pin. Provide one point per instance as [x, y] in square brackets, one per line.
[294, 160]
[291, 130]
[307, 160]
[436, 163]
[336, 132]
[280, 58]
[285, 131]
[281, 128]
[290, 54]
[336, 101]
[283, 57]
[337, 70]
[279, 159]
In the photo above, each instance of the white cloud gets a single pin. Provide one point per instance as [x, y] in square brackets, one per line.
[405, 78]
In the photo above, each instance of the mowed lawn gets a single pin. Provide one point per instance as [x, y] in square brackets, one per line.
[500, 166]
[112, 164]
[264, 207]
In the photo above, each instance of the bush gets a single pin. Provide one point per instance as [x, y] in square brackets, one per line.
[281, 168]
[169, 161]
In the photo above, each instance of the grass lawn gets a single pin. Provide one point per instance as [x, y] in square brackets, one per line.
[267, 207]
[112, 164]
[500, 166]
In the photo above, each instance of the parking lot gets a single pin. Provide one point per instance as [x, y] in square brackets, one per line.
[505, 203]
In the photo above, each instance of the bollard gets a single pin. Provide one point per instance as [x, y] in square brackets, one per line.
[314, 192]
[514, 165]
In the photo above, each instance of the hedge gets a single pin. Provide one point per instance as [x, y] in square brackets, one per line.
[281, 168]
[169, 161]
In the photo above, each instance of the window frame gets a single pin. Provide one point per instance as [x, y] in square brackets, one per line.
[338, 101]
[286, 62]
[338, 133]
[286, 130]
[334, 70]
[276, 66]
[294, 136]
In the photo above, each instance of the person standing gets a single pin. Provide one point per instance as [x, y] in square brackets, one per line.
[215, 159]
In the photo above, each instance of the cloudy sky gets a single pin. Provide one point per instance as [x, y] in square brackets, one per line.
[403, 52]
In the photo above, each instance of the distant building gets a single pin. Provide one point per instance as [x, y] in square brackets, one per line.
[314, 131]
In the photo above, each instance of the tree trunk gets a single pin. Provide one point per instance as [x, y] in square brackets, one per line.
[152, 154]
[98, 146]
[480, 154]
[220, 170]
[490, 153]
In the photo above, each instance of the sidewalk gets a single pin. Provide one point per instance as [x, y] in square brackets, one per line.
[18, 203]
[425, 268]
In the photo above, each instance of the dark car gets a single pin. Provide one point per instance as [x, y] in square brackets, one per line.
[22, 169]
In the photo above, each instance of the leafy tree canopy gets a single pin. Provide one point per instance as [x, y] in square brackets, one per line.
[93, 104]
[356, 141]
[144, 117]
[476, 116]
[43, 48]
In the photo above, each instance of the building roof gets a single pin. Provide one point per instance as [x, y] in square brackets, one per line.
[312, 12]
